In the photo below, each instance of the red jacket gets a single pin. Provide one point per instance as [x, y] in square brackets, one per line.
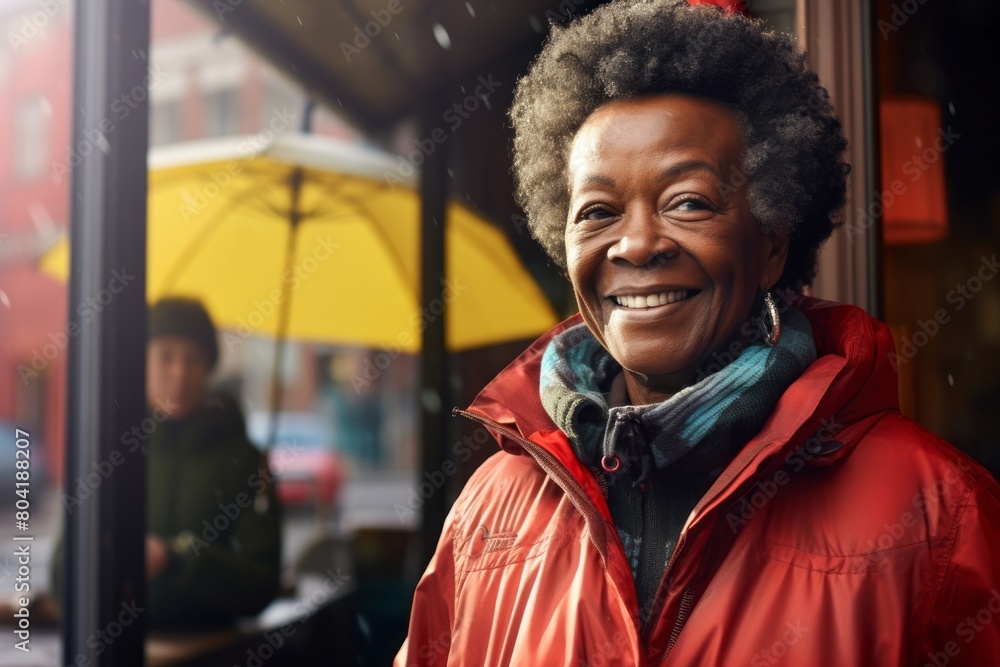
[842, 534]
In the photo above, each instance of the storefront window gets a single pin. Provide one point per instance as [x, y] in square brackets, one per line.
[941, 220]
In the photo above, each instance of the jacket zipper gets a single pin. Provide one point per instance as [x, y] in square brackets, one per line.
[681, 617]
[682, 613]
[559, 472]
[688, 593]
[601, 481]
[687, 597]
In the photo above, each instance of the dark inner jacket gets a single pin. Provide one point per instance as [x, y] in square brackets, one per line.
[209, 486]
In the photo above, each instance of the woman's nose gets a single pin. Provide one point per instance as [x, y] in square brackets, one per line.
[643, 241]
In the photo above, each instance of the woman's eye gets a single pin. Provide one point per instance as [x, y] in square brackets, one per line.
[596, 214]
[693, 205]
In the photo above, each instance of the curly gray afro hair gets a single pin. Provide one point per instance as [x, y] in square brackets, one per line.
[793, 144]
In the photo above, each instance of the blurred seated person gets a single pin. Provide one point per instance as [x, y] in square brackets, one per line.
[213, 546]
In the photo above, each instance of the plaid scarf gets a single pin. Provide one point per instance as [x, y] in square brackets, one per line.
[670, 451]
[700, 424]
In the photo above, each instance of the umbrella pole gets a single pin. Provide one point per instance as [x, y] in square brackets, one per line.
[294, 218]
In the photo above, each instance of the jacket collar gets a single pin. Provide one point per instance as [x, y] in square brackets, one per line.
[827, 409]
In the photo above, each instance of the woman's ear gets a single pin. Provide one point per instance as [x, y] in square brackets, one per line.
[776, 257]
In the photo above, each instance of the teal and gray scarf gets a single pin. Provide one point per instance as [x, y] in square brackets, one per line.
[670, 451]
[724, 408]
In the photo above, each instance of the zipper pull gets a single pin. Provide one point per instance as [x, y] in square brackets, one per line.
[634, 442]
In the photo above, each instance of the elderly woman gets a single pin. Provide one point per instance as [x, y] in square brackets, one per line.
[704, 466]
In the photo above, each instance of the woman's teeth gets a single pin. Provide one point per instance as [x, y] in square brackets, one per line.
[651, 300]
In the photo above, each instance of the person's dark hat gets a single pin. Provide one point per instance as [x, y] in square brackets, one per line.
[187, 318]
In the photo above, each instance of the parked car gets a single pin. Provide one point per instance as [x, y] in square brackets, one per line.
[304, 457]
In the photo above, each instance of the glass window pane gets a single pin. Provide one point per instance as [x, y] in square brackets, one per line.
[941, 219]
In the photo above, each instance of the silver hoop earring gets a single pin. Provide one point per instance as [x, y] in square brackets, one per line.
[770, 311]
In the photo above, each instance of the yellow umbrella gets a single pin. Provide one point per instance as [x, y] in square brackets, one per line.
[334, 228]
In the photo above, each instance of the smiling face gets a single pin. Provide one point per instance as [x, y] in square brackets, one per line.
[663, 253]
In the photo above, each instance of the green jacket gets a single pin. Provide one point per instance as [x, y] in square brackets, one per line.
[212, 497]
